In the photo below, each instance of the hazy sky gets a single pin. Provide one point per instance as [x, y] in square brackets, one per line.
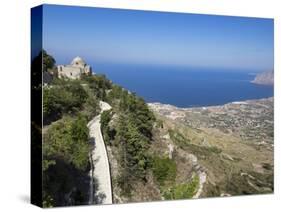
[142, 37]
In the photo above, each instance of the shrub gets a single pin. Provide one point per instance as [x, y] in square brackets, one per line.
[65, 160]
[182, 191]
[62, 99]
[106, 132]
[67, 139]
[179, 139]
[164, 170]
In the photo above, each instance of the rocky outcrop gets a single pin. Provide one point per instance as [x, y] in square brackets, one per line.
[264, 78]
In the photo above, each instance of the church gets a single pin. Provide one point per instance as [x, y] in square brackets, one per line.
[74, 71]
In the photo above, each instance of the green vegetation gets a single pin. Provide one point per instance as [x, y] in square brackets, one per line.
[164, 170]
[65, 161]
[70, 97]
[48, 61]
[67, 107]
[65, 98]
[250, 183]
[182, 191]
[91, 105]
[130, 130]
[133, 158]
[178, 138]
[185, 144]
[131, 134]
[108, 134]
[98, 84]
[134, 137]
[68, 139]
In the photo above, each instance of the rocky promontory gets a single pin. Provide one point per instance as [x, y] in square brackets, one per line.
[264, 78]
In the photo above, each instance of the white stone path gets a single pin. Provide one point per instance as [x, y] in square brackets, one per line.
[100, 170]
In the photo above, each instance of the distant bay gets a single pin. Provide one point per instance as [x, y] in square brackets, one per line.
[185, 87]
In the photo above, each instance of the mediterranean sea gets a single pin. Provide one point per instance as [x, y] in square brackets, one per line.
[185, 87]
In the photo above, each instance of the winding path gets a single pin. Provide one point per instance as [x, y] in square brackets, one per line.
[100, 191]
[200, 171]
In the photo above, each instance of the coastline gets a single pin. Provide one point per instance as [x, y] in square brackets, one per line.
[237, 136]
[170, 106]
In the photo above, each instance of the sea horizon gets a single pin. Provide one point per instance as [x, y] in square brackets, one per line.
[186, 87]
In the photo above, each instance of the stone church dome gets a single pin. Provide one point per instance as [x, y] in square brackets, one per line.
[78, 61]
[74, 71]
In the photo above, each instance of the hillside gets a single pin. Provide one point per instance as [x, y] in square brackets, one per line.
[233, 142]
[68, 105]
[155, 151]
[265, 78]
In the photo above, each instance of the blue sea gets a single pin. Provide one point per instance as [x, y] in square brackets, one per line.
[185, 87]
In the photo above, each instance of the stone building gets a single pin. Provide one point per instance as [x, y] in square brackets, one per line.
[75, 69]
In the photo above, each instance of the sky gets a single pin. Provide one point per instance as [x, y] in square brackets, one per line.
[116, 36]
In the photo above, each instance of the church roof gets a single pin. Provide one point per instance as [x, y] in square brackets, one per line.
[78, 61]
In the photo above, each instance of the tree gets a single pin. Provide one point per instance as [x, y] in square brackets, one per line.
[68, 97]
[105, 119]
[133, 148]
[99, 84]
[164, 170]
[65, 161]
[48, 61]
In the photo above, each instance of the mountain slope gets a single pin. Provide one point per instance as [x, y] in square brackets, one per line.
[233, 143]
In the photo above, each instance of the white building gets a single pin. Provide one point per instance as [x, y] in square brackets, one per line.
[75, 69]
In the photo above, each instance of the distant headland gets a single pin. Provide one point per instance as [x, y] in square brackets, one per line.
[264, 78]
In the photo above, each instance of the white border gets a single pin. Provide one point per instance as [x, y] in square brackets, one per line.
[15, 101]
